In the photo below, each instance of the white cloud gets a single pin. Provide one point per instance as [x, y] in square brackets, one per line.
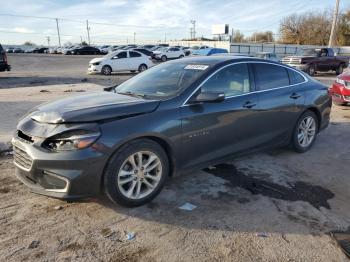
[22, 30]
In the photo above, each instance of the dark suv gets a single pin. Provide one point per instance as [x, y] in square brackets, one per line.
[3, 61]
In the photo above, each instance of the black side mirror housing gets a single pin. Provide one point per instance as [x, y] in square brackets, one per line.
[110, 88]
[208, 97]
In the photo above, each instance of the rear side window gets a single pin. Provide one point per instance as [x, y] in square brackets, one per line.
[268, 76]
[134, 54]
[232, 80]
[294, 77]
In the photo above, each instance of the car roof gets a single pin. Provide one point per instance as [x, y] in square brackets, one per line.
[214, 60]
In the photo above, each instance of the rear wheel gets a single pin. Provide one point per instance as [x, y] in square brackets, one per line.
[136, 173]
[305, 132]
[106, 70]
[142, 68]
[181, 56]
[163, 58]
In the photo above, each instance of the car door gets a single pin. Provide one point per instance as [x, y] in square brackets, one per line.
[119, 61]
[135, 60]
[214, 130]
[279, 101]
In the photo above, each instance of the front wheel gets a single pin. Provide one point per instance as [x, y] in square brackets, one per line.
[136, 173]
[181, 56]
[106, 70]
[163, 58]
[340, 69]
[312, 70]
[305, 132]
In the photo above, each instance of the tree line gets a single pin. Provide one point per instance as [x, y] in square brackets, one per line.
[309, 28]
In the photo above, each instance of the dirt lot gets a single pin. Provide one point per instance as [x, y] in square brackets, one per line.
[273, 206]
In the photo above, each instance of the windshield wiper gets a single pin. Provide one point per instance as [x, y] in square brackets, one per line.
[132, 94]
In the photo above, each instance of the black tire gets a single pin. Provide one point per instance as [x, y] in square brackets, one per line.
[340, 69]
[295, 143]
[311, 70]
[163, 58]
[142, 68]
[181, 56]
[115, 163]
[133, 71]
[106, 70]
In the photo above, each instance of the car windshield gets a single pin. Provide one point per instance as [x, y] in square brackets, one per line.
[163, 81]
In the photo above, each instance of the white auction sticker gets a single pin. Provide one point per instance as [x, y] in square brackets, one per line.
[196, 67]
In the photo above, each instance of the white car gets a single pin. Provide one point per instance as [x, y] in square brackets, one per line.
[168, 53]
[122, 60]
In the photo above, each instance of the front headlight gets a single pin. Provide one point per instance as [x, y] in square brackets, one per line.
[97, 63]
[71, 140]
[340, 81]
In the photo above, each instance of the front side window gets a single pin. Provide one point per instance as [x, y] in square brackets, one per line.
[120, 55]
[294, 77]
[231, 80]
[268, 76]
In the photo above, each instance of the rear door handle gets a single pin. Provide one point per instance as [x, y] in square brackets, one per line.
[249, 104]
[295, 96]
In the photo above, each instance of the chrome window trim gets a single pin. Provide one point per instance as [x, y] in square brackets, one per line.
[252, 92]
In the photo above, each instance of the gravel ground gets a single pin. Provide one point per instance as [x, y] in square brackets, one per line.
[273, 206]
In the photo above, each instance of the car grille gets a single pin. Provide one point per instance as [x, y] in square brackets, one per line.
[291, 60]
[21, 158]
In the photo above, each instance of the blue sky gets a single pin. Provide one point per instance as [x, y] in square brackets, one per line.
[115, 21]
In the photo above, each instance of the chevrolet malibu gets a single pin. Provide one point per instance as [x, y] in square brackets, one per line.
[175, 117]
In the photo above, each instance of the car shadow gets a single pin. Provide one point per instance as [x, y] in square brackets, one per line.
[263, 192]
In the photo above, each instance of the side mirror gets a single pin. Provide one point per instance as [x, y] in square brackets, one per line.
[209, 97]
[110, 88]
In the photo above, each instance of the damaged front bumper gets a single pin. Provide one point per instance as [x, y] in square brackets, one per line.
[65, 175]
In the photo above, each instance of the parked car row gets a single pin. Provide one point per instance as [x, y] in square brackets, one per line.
[4, 66]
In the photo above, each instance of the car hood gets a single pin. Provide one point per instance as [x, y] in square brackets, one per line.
[95, 60]
[92, 107]
[157, 52]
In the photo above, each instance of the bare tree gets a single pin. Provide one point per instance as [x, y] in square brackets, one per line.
[306, 29]
[343, 30]
[261, 37]
[237, 37]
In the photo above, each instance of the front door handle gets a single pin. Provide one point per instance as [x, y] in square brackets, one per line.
[295, 96]
[249, 104]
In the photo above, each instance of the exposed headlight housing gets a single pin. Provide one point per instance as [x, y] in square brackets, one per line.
[96, 63]
[71, 140]
[345, 83]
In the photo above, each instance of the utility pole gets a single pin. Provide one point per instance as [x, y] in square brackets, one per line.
[193, 22]
[81, 39]
[134, 37]
[58, 32]
[165, 37]
[334, 25]
[48, 41]
[88, 30]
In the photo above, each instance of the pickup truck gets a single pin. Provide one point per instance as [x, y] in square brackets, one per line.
[3, 61]
[319, 59]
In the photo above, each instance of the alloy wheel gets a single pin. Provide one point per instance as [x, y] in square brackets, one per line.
[306, 131]
[139, 175]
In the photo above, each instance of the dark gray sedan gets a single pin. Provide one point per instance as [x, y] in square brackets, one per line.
[177, 116]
